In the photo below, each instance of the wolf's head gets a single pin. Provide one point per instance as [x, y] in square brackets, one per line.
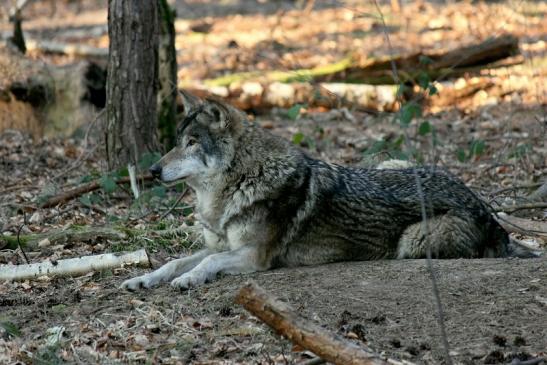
[205, 143]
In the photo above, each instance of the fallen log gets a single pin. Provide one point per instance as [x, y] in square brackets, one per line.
[262, 96]
[492, 53]
[75, 266]
[69, 49]
[282, 318]
[464, 60]
[359, 81]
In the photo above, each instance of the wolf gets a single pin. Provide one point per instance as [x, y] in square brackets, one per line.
[263, 203]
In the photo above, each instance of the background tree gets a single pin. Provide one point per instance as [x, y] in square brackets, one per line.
[132, 84]
[167, 74]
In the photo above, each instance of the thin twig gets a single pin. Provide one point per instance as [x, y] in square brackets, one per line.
[174, 205]
[82, 189]
[19, 235]
[512, 188]
[16, 187]
[517, 207]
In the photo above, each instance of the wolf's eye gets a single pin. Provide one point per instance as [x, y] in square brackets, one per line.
[191, 142]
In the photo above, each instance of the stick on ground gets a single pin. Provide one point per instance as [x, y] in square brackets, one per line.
[82, 189]
[75, 266]
[521, 225]
[282, 318]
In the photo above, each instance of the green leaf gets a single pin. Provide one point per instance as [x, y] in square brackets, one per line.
[297, 138]
[112, 218]
[58, 308]
[294, 111]
[122, 172]
[401, 90]
[399, 155]
[520, 151]
[158, 191]
[399, 141]
[418, 156]
[462, 157]
[425, 60]
[85, 200]
[108, 184]
[10, 328]
[424, 128]
[148, 159]
[376, 147]
[477, 147]
[86, 179]
[180, 187]
[423, 80]
[432, 90]
[95, 198]
[408, 112]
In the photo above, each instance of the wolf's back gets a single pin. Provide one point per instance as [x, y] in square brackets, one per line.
[378, 210]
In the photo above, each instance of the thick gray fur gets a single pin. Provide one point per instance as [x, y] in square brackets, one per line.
[264, 203]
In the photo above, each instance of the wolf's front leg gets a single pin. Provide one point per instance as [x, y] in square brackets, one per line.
[167, 272]
[240, 261]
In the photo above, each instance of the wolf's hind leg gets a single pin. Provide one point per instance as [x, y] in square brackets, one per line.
[167, 272]
[239, 261]
[450, 236]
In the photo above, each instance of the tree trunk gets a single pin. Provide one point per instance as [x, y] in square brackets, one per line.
[132, 81]
[167, 72]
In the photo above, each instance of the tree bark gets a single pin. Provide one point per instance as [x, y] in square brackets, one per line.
[167, 72]
[132, 81]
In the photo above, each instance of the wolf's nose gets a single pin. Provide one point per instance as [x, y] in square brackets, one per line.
[155, 170]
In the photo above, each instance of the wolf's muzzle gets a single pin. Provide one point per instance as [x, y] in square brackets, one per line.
[155, 170]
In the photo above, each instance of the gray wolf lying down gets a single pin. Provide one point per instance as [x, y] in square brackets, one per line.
[263, 203]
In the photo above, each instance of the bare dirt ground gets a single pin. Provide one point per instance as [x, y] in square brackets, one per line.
[495, 309]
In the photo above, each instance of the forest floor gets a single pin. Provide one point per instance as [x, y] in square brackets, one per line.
[495, 309]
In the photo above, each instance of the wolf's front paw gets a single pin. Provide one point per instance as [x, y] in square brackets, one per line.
[189, 280]
[140, 282]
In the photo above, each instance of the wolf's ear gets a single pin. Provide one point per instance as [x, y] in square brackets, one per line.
[223, 115]
[189, 101]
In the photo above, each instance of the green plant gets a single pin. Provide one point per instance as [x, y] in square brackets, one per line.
[476, 148]
[294, 111]
[10, 328]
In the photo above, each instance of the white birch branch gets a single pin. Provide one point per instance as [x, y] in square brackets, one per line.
[133, 180]
[74, 266]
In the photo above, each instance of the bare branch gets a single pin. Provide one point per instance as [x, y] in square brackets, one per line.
[282, 318]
